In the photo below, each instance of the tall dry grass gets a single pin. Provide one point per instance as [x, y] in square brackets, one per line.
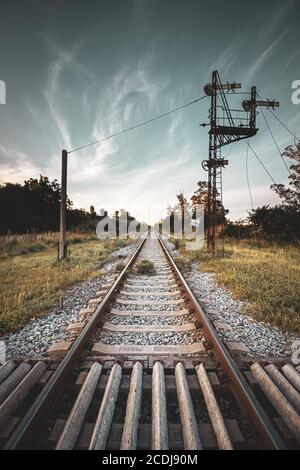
[31, 283]
[266, 275]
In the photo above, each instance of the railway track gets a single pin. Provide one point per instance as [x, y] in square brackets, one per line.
[147, 370]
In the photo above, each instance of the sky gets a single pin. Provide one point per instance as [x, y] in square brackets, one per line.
[77, 71]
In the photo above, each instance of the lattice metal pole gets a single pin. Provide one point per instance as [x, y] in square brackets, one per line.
[211, 230]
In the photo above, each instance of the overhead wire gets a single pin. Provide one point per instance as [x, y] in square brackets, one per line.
[137, 125]
[261, 162]
[248, 180]
[284, 125]
[143, 123]
[275, 142]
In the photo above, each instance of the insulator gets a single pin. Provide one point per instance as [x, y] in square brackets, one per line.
[247, 105]
[208, 89]
[204, 165]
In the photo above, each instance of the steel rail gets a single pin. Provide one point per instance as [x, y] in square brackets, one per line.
[34, 420]
[46, 400]
[269, 437]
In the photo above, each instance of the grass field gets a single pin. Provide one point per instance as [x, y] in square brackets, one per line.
[32, 280]
[14, 245]
[267, 275]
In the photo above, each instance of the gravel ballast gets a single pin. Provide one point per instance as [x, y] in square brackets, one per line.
[157, 320]
[151, 252]
[140, 339]
[261, 339]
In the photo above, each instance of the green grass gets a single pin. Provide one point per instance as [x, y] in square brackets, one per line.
[16, 245]
[267, 275]
[31, 283]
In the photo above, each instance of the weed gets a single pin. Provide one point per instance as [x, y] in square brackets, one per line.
[145, 267]
[119, 267]
[183, 263]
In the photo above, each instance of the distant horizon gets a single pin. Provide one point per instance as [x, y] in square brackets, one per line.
[140, 219]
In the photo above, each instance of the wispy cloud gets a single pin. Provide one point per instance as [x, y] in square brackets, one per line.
[289, 61]
[228, 57]
[124, 101]
[175, 129]
[52, 94]
[94, 89]
[57, 89]
[263, 58]
[273, 23]
[131, 92]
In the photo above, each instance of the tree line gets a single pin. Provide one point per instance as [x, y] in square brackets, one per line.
[278, 223]
[34, 207]
[281, 222]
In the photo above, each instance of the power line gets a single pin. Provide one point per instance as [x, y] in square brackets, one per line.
[248, 181]
[138, 125]
[275, 142]
[262, 164]
[284, 125]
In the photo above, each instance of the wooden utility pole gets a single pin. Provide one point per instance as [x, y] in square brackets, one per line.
[62, 247]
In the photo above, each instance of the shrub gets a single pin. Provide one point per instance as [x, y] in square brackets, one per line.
[76, 240]
[120, 267]
[11, 244]
[176, 244]
[35, 247]
[145, 267]
[183, 264]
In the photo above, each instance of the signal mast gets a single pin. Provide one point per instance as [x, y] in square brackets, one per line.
[226, 127]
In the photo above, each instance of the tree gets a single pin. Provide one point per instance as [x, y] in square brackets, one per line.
[200, 197]
[183, 206]
[276, 223]
[93, 213]
[34, 207]
[238, 229]
[291, 196]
